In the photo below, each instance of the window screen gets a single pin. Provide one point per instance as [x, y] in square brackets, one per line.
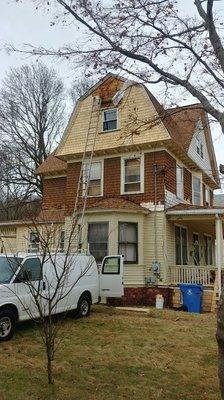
[98, 239]
[132, 170]
[180, 183]
[110, 120]
[196, 191]
[93, 174]
[128, 241]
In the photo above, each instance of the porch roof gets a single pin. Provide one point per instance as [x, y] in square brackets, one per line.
[192, 210]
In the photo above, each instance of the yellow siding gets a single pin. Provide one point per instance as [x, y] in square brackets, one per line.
[155, 223]
[8, 239]
[135, 101]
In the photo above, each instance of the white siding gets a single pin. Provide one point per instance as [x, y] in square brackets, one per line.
[203, 163]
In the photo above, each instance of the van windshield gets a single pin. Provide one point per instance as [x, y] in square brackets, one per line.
[8, 266]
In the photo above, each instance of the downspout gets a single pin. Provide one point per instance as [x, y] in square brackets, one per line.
[155, 209]
[219, 250]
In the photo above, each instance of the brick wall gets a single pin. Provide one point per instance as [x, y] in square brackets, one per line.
[144, 296]
[54, 192]
[112, 180]
[187, 185]
[170, 173]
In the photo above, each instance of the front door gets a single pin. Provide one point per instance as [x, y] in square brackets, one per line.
[111, 277]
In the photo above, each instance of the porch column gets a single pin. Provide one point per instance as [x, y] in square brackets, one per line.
[219, 249]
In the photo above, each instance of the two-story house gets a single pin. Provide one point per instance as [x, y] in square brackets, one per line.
[150, 193]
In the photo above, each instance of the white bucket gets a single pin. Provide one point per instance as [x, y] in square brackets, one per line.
[159, 302]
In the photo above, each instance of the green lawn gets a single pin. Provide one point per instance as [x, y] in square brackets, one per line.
[116, 355]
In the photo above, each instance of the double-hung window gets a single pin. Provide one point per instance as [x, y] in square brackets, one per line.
[199, 146]
[98, 239]
[132, 175]
[128, 241]
[92, 180]
[196, 191]
[181, 245]
[180, 182]
[110, 120]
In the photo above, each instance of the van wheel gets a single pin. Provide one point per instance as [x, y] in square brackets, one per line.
[7, 325]
[84, 306]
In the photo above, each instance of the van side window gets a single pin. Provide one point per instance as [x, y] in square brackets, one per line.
[111, 266]
[31, 271]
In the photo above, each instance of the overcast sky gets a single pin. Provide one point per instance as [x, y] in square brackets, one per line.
[22, 23]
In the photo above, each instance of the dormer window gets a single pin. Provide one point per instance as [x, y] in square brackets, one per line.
[199, 145]
[110, 120]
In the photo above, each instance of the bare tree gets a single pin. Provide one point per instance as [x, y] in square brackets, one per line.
[154, 41]
[80, 87]
[50, 278]
[31, 121]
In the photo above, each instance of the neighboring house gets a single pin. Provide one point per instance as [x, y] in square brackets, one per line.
[150, 193]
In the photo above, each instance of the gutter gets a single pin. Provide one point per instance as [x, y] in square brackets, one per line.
[218, 211]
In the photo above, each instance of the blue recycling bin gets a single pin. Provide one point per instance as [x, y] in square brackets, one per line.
[192, 297]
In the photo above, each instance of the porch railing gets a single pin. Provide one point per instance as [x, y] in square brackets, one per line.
[204, 275]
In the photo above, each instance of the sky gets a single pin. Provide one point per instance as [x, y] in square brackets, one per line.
[21, 23]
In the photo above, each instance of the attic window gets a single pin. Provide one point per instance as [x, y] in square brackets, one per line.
[110, 120]
[199, 145]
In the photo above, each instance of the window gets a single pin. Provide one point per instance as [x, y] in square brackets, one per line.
[111, 266]
[110, 120]
[180, 182]
[181, 245]
[128, 241]
[196, 191]
[199, 146]
[31, 270]
[208, 250]
[98, 239]
[207, 197]
[62, 242]
[132, 175]
[34, 242]
[93, 179]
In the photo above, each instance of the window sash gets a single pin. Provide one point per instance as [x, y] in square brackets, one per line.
[93, 172]
[132, 175]
[197, 191]
[179, 182]
[128, 241]
[110, 120]
[98, 239]
[34, 242]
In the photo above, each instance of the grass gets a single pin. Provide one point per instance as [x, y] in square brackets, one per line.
[116, 355]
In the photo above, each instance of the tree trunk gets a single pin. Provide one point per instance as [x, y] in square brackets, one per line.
[49, 367]
[220, 340]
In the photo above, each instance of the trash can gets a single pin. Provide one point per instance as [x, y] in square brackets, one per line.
[192, 297]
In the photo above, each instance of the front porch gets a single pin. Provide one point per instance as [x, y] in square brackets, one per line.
[198, 248]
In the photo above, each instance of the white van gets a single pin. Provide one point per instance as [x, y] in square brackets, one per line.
[81, 283]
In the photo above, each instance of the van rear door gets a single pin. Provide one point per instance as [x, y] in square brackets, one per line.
[111, 277]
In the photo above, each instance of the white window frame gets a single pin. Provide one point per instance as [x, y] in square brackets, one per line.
[199, 146]
[103, 111]
[123, 159]
[180, 185]
[102, 178]
[207, 196]
[193, 191]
